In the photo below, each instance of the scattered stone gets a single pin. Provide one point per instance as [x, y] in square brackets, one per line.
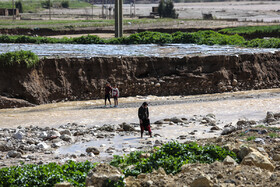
[145, 155]
[66, 137]
[160, 122]
[176, 120]
[259, 141]
[202, 181]
[66, 131]
[100, 175]
[14, 154]
[229, 161]
[63, 184]
[53, 134]
[257, 159]
[270, 117]
[242, 124]
[228, 130]
[93, 150]
[42, 145]
[18, 135]
[43, 135]
[171, 123]
[276, 157]
[215, 128]
[127, 127]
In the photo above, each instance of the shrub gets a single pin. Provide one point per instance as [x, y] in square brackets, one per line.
[65, 4]
[19, 57]
[166, 9]
[171, 157]
[46, 4]
[45, 175]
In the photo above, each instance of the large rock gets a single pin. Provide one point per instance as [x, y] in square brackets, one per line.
[127, 127]
[66, 138]
[14, 154]
[18, 135]
[202, 181]
[255, 158]
[66, 131]
[176, 120]
[93, 150]
[43, 145]
[228, 130]
[101, 174]
[53, 134]
[270, 117]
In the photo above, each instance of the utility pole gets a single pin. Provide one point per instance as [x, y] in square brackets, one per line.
[50, 17]
[13, 10]
[118, 18]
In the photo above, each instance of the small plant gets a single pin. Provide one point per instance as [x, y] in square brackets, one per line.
[273, 135]
[251, 138]
[19, 57]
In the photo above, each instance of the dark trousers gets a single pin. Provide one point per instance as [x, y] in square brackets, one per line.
[145, 125]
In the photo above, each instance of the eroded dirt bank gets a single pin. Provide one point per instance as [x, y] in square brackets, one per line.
[82, 79]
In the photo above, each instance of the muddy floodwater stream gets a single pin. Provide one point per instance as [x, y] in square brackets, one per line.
[152, 50]
[226, 106]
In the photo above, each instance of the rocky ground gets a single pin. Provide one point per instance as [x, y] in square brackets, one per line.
[256, 143]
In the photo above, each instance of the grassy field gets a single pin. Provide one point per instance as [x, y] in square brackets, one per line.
[35, 5]
[252, 29]
[62, 24]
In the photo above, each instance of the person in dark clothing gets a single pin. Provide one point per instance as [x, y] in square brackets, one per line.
[108, 90]
[143, 114]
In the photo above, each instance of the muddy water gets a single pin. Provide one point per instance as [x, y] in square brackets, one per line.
[227, 107]
[171, 50]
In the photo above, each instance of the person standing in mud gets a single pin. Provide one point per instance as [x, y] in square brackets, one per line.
[108, 91]
[143, 114]
[115, 94]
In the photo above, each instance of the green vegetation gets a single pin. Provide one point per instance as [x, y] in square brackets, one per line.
[200, 37]
[251, 138]
[171, 156]
[252, 30]
[45, 175]
[62, 24]
[273, 135]
[166, 9]
[19, 57]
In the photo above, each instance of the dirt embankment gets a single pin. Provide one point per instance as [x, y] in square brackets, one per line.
[82, 79]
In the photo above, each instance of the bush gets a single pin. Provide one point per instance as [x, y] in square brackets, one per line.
[166, 9]
[171, 157]
[46, 4]
[45, 175]
[19, 57]
[65, 4]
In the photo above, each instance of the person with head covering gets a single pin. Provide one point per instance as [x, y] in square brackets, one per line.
[143, 114]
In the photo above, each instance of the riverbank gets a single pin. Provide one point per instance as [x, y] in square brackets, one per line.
[254, 142]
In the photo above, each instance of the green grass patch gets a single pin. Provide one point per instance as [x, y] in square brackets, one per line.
[273, 135]
[45, 175]
[250, 138]
[19, 57]
[252, 29]
[171, 156]
[200, 37]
